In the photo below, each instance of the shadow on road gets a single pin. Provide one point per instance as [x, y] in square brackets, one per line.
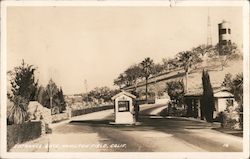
[92, 122]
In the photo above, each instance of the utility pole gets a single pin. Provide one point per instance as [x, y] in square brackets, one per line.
[209, 33]
[86, 90]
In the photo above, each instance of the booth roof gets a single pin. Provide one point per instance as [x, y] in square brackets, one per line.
[123, 93]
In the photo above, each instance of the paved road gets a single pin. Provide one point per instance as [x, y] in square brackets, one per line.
[92, 132]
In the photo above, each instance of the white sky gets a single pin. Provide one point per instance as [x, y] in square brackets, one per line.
[70, 44]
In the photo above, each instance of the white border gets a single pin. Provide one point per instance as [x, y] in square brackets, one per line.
[209, 155]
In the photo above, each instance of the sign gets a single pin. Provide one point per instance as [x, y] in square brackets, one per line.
[123, 106]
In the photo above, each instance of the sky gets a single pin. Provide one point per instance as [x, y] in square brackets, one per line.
[71, 44]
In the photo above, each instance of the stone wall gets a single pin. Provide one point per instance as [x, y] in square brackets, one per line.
[60, 117]
[90, 110]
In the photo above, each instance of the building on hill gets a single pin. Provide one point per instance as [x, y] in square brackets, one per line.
[224, 31]
[222, 96]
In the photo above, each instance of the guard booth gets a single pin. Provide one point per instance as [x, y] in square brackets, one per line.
[124, 108]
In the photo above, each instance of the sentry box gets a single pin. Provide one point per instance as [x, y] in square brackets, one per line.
[124, 108]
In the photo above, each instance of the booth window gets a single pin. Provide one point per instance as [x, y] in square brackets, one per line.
[123, 106]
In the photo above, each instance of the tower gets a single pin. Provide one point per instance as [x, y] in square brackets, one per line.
[209, 34]
[86, 86]
[86, 90]
[224, 30]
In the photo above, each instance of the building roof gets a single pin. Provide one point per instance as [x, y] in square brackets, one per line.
[123, 93]
[219, 92]
[194, 92]
[223, 94]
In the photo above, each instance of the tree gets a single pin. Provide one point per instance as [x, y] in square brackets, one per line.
[101, 94]
[147, 65]
[122, 80]
[18, 111]
[207, 104]
[129, 77]
[203, 50]
[118, 81]
[51, 91]
[187, 60]
[157, 68]
[87, 98]
[165, 64]
[133, 73]
[226, 53]
[61, 100]
[23, 82]
[235, 86]
[175, 90]
[23, 89]
[169, 64]
[40, 95]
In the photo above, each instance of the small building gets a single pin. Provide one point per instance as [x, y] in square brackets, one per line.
[222, 98]
[124, 108]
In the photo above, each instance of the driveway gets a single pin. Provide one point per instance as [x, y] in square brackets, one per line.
[93, 133]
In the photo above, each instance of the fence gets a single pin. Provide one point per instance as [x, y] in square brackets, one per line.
[19, 133]
[90, 110]
[140, 101]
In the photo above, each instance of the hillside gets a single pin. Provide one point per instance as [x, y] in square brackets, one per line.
[157, 84]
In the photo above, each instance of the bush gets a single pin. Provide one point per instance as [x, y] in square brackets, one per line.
[18, 112]
[220, 117]
[19, 133]
[229, 119]
[171, 110]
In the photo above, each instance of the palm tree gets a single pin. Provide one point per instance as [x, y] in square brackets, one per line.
[18, 111]
[187, 59]
[51, 91]
[147, 65]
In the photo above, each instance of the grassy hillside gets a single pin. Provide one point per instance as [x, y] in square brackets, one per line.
[157, 84]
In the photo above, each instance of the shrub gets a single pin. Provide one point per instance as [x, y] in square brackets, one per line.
[229, 118]
[18, 112]
[171, 110]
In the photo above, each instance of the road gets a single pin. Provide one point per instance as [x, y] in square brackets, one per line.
[93, 133]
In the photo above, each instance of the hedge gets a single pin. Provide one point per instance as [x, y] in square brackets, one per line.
[19, 133]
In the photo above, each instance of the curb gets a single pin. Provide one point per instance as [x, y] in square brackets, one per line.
[194, 119]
